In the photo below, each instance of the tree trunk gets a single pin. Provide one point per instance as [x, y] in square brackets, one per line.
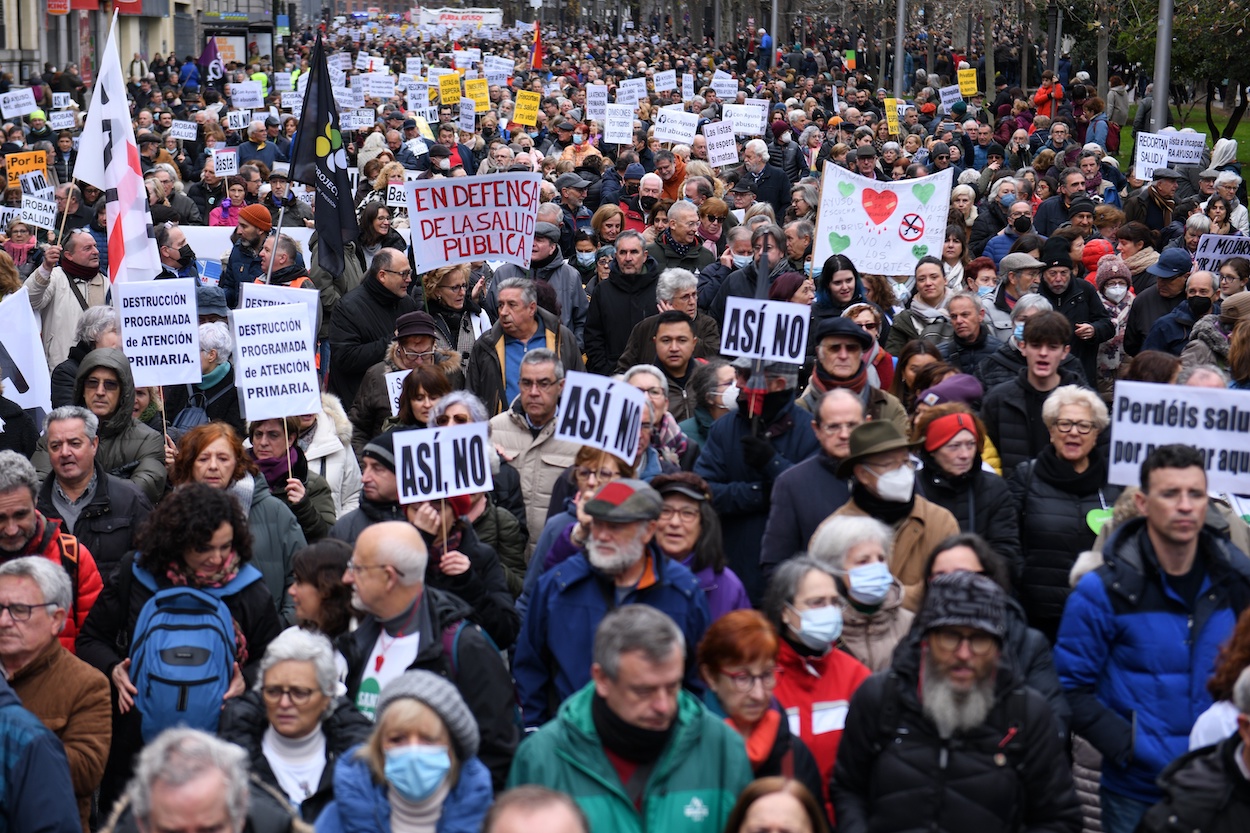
[1212, 130]
[1104, 44]
[1240, 110]
[987, 42]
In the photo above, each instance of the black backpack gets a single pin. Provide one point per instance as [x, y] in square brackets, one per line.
[196, 411]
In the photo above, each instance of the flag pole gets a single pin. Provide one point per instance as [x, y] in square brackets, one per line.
[276, 233]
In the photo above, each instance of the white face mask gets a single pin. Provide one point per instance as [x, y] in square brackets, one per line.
[785, 138]
[1116, 293]
[897, 485]
[729, 398]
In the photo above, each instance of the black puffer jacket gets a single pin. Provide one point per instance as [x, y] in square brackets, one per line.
[480, 674]
[63, 375]
[362, 327]
[1030, 654]
[616, 307]
[106, 526]
[1006, 363]
[979, 500]
[1202, 790]
[991, 219]
[1053, 532]
[966, 356]
[906, 778]
[349, 527]
[1012, 413]
[244, 721]
[19, 433]
[1081, 304]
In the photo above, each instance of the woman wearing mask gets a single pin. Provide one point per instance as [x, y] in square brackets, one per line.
[715, 393]
[737, 659]
[981, 277]
[857, 551]
[605, 256]
[585, 245]
[689, 532]
[925, 318]
[1112, 279]
[814, 679]
[418, 771]
[294, 723]
[581, 147]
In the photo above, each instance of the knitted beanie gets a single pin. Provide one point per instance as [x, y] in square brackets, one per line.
[440, 696]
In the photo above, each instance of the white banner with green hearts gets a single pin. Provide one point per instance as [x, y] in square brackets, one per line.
[883, 227]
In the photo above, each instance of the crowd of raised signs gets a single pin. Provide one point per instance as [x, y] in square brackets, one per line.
[688, 437]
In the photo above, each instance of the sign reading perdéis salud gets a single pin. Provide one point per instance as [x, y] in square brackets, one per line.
[1214, 421]
[600, 412]
[675, 126]
[772, 331]
[275, 369]
[473, 218]
[160, 331]
[886, 225]
[434, 463]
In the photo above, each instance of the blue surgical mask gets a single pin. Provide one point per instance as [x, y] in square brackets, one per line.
[534, 134]
[819, 627]
[585, 258]
[982, 291]
[1018, 332]
[1006, 200]
[578, 139]
[870, 583]
[416, 771]
[807, 268]
[741, 261]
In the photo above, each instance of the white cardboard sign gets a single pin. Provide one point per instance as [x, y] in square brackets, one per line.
[687, 86]
[245, 95]
[665, 81]
[722, 148]
[254, 295]
[275, 369]
[772, 331]
[38, 212]
[468, 110]
[435, 463]
[394, 387]
[618, 124]
[602, 413]
[16, 103]
[675, 126]
[1151, 153]
[226, 162]
[1214, 249]
[186, 130]
[160, 331]
[238, 119]
[597, 102]
[61, 120]
[1186, 148]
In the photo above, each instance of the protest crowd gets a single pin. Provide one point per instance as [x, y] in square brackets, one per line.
[455, 428]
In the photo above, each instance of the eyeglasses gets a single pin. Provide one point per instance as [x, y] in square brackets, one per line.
[107, 384]
[406, 274]
[601, 475]
[979, 643]
[457, 289]
[655, 393]
[353, 567]
[22, 612]
[19, 231]
[1229, 278]
[713, 218]
[540, 384]
[686, 514]
[415, 355]
[744, 681]
[299, 695]
[1082, 426]
[458, 419]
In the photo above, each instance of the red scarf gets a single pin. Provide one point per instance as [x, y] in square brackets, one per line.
[823, 382]
[760, 739]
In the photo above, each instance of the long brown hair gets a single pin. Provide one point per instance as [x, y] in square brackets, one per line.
[1233, 659]
[10, 280]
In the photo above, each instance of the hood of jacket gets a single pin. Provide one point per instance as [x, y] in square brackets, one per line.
[448, 362]
[1206, 330]
[332, 424]
[633, 284]
[116, 361]
[1124, 559]
[546, 272]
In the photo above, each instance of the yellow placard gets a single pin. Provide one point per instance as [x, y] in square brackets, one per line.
[526, 111]
[891, 115]
[423, 127]
[449, 89]
[478, 89]
[24, 163]
[967, 82]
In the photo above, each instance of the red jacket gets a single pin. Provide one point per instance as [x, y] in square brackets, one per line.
[64, 549]
[816, 692]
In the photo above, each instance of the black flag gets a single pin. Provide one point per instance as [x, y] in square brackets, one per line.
[319, 160]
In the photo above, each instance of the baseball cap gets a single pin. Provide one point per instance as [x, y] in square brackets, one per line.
[1172, 263]
[571, 180]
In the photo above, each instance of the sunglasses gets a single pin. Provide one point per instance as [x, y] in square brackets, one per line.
[445, 419]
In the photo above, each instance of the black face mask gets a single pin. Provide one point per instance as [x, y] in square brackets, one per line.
[1199, 306]
[185, 255]
[647, 203]
[1022, 225]
[631, 190]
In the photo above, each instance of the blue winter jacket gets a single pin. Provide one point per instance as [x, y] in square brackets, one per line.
[553, 653]
[36, 795]
[360, 804]
[242, 267]
[1170, 332]
[1134, 659]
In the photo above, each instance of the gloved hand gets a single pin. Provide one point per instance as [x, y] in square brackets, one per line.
[758, 452]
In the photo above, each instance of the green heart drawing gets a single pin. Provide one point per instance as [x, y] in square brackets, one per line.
[923, 192]
[919, 251]
[1097, 519]
[838, 243]
[846, 189]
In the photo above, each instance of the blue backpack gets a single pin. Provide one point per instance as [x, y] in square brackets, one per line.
[182, 653]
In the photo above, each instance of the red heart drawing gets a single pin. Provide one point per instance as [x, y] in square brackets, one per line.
[879, 205]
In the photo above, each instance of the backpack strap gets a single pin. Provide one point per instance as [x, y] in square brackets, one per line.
[887, 714]
[69, 562]
[451, 646]
[248, 574]
[145, 578]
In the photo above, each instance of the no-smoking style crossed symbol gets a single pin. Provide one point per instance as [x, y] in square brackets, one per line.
[912, 228]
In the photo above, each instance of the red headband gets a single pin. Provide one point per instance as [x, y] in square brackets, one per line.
[943, 429]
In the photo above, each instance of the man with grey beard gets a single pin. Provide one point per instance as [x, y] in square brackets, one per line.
[616, 564]
[950, 738]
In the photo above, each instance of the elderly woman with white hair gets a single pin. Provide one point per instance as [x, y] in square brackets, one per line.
[1229, 186]
[295, 723]
[216, 393]
[1057, 492]
[857, 550]
[964, 200]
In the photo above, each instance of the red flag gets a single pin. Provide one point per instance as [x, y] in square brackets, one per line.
[536, 57]
[109, 160]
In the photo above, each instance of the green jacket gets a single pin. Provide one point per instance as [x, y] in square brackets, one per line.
[692, 789]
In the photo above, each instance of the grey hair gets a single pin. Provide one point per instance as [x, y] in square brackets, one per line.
[639, 369]
[91, 422]
[1075, 395]
[299, 645]
[477, 411]
[835, 537]
[1226, 177]
[735, 234]
[1032, 301]
[179, 756]
[757, 147]
[672, 281]
[528, 294]
[215, 336]
[1198, 222]
[808, 132]
[802, 228]
[1241, 691]
[53, 581]
[550, 208]
[997, 188]
[1188, 373]
[544, 356]
[1211, 276]
[630, 234]
[967, 296]
[636, 627]
[809, 194]
[95, 322]
[779, 236]
[681, 209]
[409, 560]
[173, 175]
[15, 472]
[785, 583]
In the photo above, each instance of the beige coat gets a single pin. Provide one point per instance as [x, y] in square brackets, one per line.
[539, 460]
[59, 311]
[871, 638]
[72, 699]
[915, 536]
